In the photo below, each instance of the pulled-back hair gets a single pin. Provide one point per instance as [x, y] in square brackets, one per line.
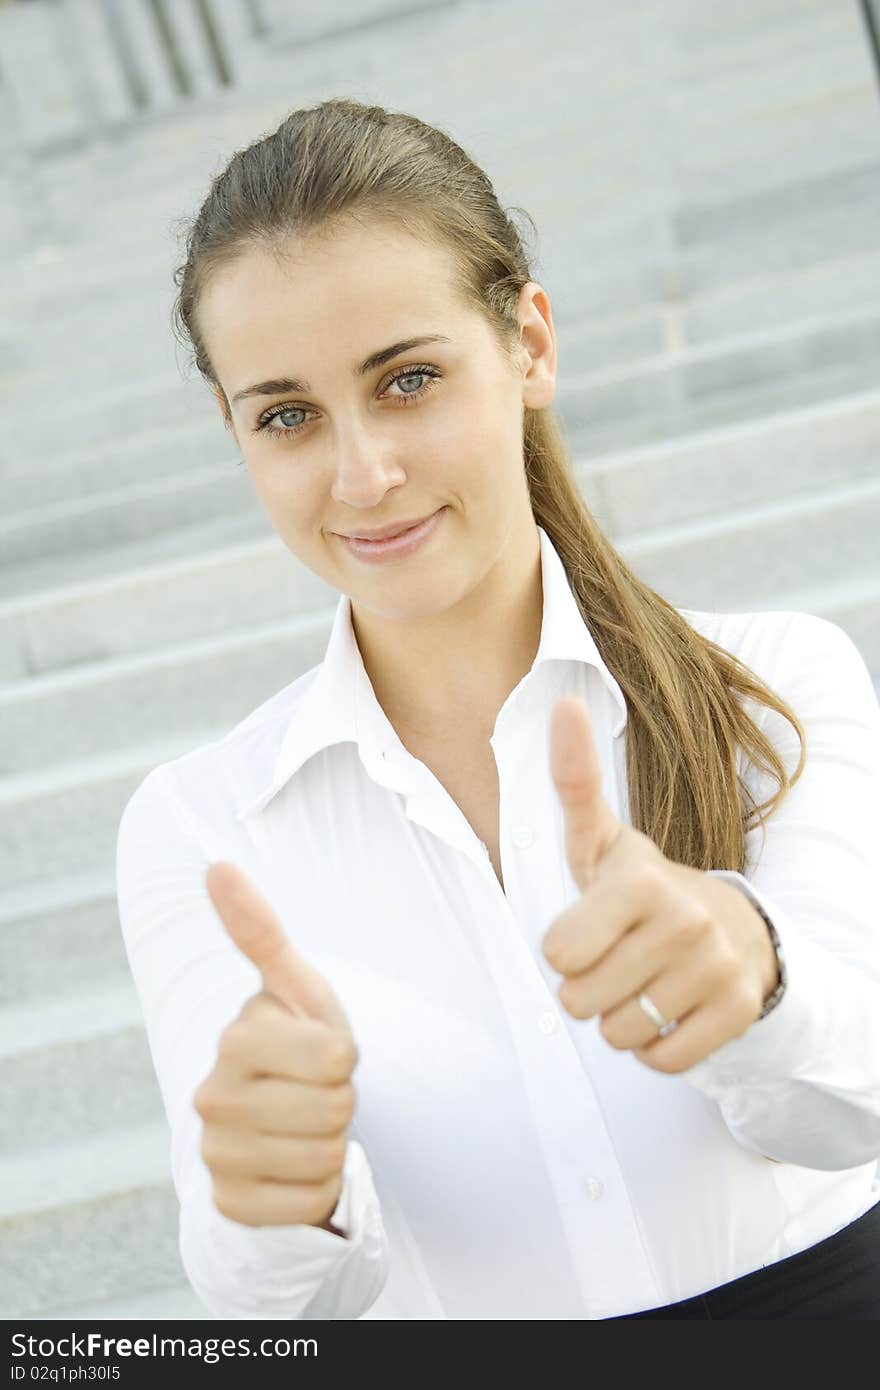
[343, 162]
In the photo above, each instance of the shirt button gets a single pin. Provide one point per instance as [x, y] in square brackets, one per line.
[548, 1022]
[595, 1188]
[522, 836]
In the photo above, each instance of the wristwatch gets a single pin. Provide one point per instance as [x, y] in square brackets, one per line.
[772, 1000]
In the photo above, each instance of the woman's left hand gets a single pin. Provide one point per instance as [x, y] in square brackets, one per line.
[692, 942]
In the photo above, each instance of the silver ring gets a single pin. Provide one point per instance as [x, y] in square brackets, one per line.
[649, 1008]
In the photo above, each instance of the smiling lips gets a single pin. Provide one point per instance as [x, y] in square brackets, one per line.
[396, 546]
[383, 533]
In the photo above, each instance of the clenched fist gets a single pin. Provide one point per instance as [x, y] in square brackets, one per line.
[278, 1102]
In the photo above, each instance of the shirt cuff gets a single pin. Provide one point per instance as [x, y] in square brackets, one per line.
[288, 1271]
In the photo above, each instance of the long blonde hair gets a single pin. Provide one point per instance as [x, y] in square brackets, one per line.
[342, 160]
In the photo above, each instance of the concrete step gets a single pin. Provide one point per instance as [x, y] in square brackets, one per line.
[91, 1219]
[87, 414]
[100, 706]
[127, 514]
[221, 583]
[748, 376]
[65, 575]
[60, 937]
[158, 453]
[772, 550]
[87, 798]
[774, 55]
[722, 470]
[74, 1066]
[170, 1304]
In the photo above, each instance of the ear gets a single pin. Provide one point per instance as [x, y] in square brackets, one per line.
[538, 343]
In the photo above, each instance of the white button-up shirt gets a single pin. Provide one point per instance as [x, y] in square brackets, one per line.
[504, 1161]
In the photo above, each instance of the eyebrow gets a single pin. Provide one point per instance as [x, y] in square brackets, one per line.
[279, 385]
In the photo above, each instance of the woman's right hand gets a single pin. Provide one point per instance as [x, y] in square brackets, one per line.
[278, 1102]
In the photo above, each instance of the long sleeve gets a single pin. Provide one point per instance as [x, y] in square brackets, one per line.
[803, 1084]
[191, 983]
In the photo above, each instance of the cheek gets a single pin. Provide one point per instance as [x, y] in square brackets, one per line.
[295, 508]
[492, 427]
[283, 486]
[478, 437]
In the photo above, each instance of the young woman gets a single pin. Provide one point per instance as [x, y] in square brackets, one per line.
[520, 960]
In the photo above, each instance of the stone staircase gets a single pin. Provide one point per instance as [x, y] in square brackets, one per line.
[705, 184]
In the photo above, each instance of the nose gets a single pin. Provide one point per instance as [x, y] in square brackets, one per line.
[364, 466]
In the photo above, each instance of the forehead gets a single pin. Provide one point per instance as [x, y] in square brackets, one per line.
[346, 293]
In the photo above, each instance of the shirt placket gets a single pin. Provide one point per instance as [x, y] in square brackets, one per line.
[599, 1220]
[605, 1243]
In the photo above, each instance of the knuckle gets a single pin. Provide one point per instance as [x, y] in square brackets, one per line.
[202, 1100]
[251, 1006]
[232, 1040]
[209, 1147]
[228, 1201]
[693, 922]
[552, 953]
[207, 1102]
[717, 939]
[222, 1158]
[575, 1006]
[216, 1104]
[745, 1003]
[330, 1155]
[609, 1027]
[646, 878]
[339, 1105]
[352, 1055]
[698, 923]
[314, 1205]
[564, 995]
[338, 1057]
[722, 973]
[668, 1062]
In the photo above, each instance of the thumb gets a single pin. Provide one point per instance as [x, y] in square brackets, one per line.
[591, 827]
[254, 927]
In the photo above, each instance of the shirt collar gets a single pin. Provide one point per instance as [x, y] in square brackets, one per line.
[339, 705]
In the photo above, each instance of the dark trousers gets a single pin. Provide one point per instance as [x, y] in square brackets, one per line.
[837, 1278]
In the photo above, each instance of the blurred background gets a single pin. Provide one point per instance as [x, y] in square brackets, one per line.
[705, 179]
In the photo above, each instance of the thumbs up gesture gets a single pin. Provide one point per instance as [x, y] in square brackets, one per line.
[278, 1102]
[673, 961]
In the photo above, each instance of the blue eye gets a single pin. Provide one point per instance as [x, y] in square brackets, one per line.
[265, 426]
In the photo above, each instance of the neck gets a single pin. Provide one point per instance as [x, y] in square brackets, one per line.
[452, 671]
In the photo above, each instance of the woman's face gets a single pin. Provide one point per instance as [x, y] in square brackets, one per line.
[333, 447]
